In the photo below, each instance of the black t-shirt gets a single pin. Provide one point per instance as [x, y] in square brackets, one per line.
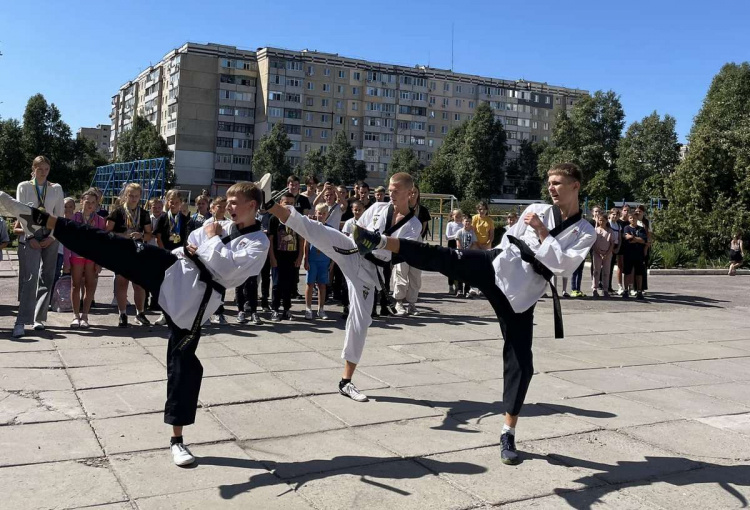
[348, 213]
[164, 230]
[302, 204]
[286, 242]
[120, 219]
[197, 221]
[424, 217]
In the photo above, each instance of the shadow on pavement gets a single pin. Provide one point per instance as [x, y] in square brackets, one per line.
[362, 466]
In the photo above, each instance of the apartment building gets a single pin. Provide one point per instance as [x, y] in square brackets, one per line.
[212, 103]
[100, 135]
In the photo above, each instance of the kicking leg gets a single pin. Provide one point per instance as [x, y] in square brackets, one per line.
[361, 299]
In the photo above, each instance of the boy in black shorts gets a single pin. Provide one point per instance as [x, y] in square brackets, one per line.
[635, 238]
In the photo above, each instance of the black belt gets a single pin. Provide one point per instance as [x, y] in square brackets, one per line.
[527, 255]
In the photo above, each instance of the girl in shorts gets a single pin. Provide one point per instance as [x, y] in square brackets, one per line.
[83, 271]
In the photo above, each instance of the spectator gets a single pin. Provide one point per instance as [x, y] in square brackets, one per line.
[37, 255]
[451, 232]
[317, 265]
[616, 230]
[484, 227]
[408, 279]
[286, 257]
[131, 221]
[84, 272]
[623, 222]
[347, 229]
[201, 215]
[380, 194]
[311, 191]
[171, 233]
[636, 239]
[265, 272]
[364, 195]
[156, 209]
[643, 221]
[69, 206]
[736, 253]
[466, 239]
[301, 202]
[601, 254]
[328, 197]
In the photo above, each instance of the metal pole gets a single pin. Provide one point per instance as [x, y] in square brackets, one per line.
[441, 230]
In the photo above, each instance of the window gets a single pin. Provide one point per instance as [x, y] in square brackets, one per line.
[418, 96]
[308, 117]
[293, 98]
[295, 145]
[430, 143]
[225, 126]
[324, 133]
[342, 74]
[431, 128]
[243, 128]
[401, 139]
[356, 75]
[310, 85]
[353, 136]
[339, 105]
[308, 132]
[274, 96]
[446, 87]
[326, 87]
[445, 102]
[355, 106]
[372, 121]
[533, 138]
[355, 91]
[545, 138]
[389, 108]
[444, 130]
[242, 143]
[547, 100]
[545, 126]
[445, 115]
[432, 114]
[355, 121]
[309, 101]
[389, 123]
[419, 82]
[293, 82]
[536, 98]
[340, 89]
[224, 142]
[402, 124]
[310, 70]
[523, 122]
[231, 94]
[339, 119]
[371, 137]
[324, 118]
[511, 121]
[274, 79]
[512, 135]
[432, 85]
[459, 102]
[535, 125]
[224, 158]
[458, 88]
[432, 100]
[240, 160]
[457, 116]
[471, 104]
[291, 113]
[291, 65]
[388, 92]
[405, 94]
[226, 110]
[386, 138]
[275, 112]
[324, 103]
[326, 72]
[371, 91]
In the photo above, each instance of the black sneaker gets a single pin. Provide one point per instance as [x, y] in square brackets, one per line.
[142, 320]
[288, 315]
[275, 316]
[123, 323]
[509, 455]
[640, 296]
[366, 241]
[345, 313]
[384, 311]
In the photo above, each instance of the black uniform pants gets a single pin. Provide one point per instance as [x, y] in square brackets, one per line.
[247, 295]
[144, 265]
[265, 282]
[474, 267]
[285, 276]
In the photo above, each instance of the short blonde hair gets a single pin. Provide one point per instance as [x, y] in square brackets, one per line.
[173, 193]
[404, 179]
[321, 207]
[248, 190]
[129, 186]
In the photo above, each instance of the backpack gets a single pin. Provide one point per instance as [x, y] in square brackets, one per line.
[61, 295]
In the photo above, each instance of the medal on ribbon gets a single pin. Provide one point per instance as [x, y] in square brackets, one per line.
[41, 196]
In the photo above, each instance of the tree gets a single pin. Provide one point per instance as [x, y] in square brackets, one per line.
[524, 172]
[404, 160]
[13, 161]
[341, 163]
[270, 156]
[479, 166]
[648, 155]
[440, 175]
[143, 141]
[315, 164]
[709, 192]
[589, 136]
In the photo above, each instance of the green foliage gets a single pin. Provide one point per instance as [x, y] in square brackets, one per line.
[270, 157]
[341, 163]
[439, 176]
[671, 255]
[143, 141]
[649, 153]
[481, 156]
[524, 172]
[14, 162]
[709, 192]
[314, 165]
[404, 160]
[589, 136]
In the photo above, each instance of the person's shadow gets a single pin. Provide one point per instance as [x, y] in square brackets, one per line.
[365, 467]
[676, 471]
[463, 412]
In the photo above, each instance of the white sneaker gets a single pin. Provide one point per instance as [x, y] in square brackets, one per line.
[75, 323]
[161, 321]
[620, 291]
[38, 326]
[401, 311]
[181, 455]
[412, 309]
[241, 317]
[308, 315]
[351, 391]
[218, 319]
[322, 315]
[18, 331]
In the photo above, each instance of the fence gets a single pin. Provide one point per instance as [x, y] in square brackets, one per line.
[149, 173]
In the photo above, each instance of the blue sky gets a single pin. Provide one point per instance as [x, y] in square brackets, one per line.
[658, 55]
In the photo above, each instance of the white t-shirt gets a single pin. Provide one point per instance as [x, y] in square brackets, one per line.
[375, 218]
[451, 230]
[334, 216]
[349, 226]
[562, 255]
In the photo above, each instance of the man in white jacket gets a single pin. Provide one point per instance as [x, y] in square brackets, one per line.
[551, 240]
[188, 281]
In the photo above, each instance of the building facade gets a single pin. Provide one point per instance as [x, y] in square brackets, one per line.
[212, 103]
[100, 135]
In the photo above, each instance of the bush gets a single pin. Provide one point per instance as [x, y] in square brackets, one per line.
[672, 255]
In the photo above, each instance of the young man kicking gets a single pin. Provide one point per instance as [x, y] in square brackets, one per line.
[362, 273]
[551, 240]
[189, 282]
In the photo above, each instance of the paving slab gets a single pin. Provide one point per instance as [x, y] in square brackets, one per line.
[612, 411]
[550, 362]
[609, 380]
[39, 406]
[613, 457]
[9, 344]
[322, 381]
[205, 351]
[733, 369]
[736, 422]
[292, 457]
[240, 496]
[608, 357]
[267, 345]
[436, 435]
[411, 375]
[670, 375]
[103, 356]
[548, 388]
[275, 418]
[153, 473]
[47, 442]
[235, 365]
[384, 405]
[685, 403]
[693, 439]
[480, 368]
[32, 379]
[146, 370]
[435, 351]
[36, 359]
[461, 397]
[293, 361]
[394, 485]
[243, 388]
[77, 341]
[148, 432]
[537, 475]
[68, 484]
[734, 391]
[124, 400]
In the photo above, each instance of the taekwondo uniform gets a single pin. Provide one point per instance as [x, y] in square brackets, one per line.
[513, 277]
[362, 275]
[189, 289]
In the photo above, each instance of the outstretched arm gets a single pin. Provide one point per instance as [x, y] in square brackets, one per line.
[280, 211]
